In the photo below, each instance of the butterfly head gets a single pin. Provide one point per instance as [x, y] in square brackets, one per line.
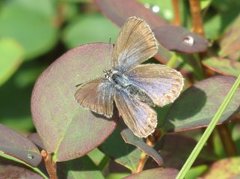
[108, 74]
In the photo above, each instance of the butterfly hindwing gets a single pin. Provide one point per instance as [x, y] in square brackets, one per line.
[96, 95]
[138, 116]
[161, 83]
[135, 44]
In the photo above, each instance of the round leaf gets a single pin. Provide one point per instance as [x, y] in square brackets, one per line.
[66, 129]
[79, 168]
[197, 105]
[11, 54]
[83, 30]
[33, 29]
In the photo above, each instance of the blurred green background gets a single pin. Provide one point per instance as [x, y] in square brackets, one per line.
[34, 33]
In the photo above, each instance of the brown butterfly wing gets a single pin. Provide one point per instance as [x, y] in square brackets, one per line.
[135, 44]
[161, 83]
[96, 95]
[138, 116]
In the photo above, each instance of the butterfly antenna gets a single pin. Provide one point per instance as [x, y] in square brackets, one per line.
[110, 46]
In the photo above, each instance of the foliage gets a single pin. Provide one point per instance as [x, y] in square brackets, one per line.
[44, 129]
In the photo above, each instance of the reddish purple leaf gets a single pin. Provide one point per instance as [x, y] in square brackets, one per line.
[176, 158]
[12, 170]
[14, 144]
[163, 173]
[34, 137]
[66, 129]
[171, 37]
[130, 138]
[180, 39]
[119, 11]
[197, 105]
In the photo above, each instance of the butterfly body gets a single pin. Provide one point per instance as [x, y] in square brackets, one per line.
[118, 79]
[123, 84]
[134, 87]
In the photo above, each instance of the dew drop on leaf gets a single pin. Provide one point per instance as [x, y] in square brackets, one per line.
[188, 40]
[30, 156]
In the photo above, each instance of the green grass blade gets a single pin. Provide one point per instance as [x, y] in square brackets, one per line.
[208, 131]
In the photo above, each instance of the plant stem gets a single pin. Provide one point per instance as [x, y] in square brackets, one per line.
[142, 161]
[173, 60]
[151, 141]
[226, 139]
[196, 17]
[208, 131]
[175, 5]
[49, 164]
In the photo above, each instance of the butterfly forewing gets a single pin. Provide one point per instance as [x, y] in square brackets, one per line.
[161, 83]
[138, 116]
[96, 95]
[135, 44]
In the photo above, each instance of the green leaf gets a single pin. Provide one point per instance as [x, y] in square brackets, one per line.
[130, 138]
[236, 136]
[223, 66]
[197, 105]
[96, 156]
[15, 99]
[11, 54]
[79, 168]
[205, 3]
[213, 27]
[216, 23]
[82, 30]
[116, 175]
[66, 129]
[196, 172]
[122, 153]
[30, 25]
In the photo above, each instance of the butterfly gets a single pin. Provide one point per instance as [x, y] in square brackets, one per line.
[134, 87]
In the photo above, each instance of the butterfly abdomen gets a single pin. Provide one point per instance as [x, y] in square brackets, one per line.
[139, 94]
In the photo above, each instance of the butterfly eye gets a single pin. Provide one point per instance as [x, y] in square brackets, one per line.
[107, 73]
